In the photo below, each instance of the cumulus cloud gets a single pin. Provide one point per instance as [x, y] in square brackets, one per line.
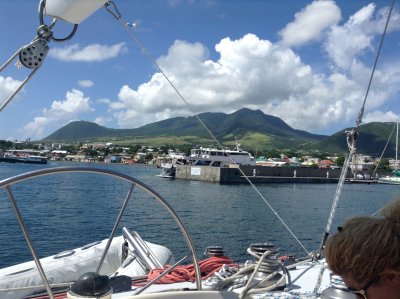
[7, 86]
[85, 83]
[74, 104]
[381, 116]
[250, 73]
[89, 53]
[346, 44]
[310, 23]
[258, 74]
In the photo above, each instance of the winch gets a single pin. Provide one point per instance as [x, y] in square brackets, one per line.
[269, 264]
[91, 285]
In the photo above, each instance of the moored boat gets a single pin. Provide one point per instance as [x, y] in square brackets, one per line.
[23, 156]
[221, 157]
[211, 157]
[394, 179]
[23, 159]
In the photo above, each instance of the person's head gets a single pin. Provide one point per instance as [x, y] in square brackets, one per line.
[365, 252]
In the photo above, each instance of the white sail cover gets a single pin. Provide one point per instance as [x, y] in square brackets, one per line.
[73, 11]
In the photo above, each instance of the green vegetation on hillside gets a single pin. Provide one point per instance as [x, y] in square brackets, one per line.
[254, 130]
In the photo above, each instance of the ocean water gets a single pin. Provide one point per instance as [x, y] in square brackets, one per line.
[66, 211]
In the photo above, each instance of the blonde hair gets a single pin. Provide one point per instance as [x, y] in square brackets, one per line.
[366, 246]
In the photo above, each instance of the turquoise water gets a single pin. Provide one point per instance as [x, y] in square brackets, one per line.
[66, 211]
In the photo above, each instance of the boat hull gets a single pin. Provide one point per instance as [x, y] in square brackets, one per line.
[23, 160]
[389, 180]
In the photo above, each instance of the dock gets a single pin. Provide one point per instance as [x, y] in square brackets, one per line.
[258, 174]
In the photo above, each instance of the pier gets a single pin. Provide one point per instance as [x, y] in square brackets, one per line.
[258, 174]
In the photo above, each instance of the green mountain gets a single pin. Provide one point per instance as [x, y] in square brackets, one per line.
[78, 131]
[371, 140]
[252, 128]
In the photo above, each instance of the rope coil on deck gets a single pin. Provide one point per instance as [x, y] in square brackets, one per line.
[187, 273]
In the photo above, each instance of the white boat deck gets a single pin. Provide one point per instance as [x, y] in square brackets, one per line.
[304, 285]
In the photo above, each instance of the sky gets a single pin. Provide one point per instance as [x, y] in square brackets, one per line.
[306, 62]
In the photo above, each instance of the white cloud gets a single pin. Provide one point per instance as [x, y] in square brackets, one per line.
[89, 53]
[252, 73]
[74, 104]
[258, 74]
[85, 83]
[7, 86]
[381, 116]
[310, 23]
[347, 44]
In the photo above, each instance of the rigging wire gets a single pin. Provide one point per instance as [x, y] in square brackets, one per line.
[387, 142]
[352, 137]
[127, 26]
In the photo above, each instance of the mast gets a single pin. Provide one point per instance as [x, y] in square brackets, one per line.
[397, 146]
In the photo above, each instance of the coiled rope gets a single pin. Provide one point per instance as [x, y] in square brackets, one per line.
[186, 273]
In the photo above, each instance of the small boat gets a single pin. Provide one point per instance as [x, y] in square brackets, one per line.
[127, 255]
[168, 168]
[394, 179]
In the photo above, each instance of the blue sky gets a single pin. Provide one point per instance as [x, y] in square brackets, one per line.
[307, 62]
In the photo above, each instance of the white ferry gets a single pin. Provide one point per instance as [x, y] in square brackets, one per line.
[221, 158]
[23, 156]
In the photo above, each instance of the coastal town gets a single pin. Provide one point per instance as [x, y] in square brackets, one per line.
[141, 154]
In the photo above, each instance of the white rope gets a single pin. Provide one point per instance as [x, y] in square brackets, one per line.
[337, 195]
[351, 139]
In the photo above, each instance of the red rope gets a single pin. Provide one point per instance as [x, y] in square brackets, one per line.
[187, 273]
[180, 274]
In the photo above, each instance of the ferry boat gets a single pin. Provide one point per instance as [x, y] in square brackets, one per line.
[207, 157]
[22, 156]
[220, 157]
